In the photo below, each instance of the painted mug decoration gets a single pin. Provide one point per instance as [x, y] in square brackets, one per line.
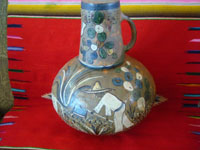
[101, 44]
[92, 98]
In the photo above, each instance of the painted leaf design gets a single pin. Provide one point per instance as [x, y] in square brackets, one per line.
[102, 53]
[98, 17]
[109, 45]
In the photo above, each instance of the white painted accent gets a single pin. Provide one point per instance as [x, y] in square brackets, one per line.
[89, 79]
[62, 85]
[110, 102]
[99, 29]
[83, 27]
[127, 85]
[86, 48]
[124, 69]
[141, 104]
[118, 116]
[138, 76]
[94, 47]
[54, 100]
[110, 51]
[126, 122]
[128, 63]
[67, 85]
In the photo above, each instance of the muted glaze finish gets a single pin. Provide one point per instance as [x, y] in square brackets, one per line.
[101, 44]
[103, 101]
[92, 98]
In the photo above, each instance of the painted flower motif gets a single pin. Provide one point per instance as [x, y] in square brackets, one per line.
[127, 85]
[136, 70]
[109, 45]
[102, 53]
[141, 104]
[110, 51]
[99, 29]
[114, 56]
[97, 32]
[138, 76]
[138, 83]
[117, 81]
[124, 69]
[94, 47]
[89, 43]
[101, 36]
[94, 55]
[128, 76]
[86, 48]
[91, 33]
[98, 17]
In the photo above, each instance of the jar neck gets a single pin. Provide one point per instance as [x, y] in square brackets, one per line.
[99, 1]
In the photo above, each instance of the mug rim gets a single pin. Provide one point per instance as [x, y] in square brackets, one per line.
[101, 6]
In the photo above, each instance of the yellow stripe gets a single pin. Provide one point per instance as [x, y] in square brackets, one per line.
[131, 10]
[161, 10]
[44, 9]
[190, 85]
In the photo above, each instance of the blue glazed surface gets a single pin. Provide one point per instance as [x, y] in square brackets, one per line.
[105, 6]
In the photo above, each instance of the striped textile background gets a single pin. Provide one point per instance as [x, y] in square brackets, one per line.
[141, 8]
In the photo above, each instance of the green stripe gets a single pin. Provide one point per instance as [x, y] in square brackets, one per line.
[31, 148]
[15, 70]
[134, 18]
[194, 117]
[193, 73]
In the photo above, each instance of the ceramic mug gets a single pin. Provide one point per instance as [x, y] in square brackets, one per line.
[101, 44]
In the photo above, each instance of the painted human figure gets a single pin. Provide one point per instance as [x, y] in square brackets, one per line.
[112, 103]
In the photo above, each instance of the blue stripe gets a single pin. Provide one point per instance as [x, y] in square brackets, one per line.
[14, 48]
[190, 105]
[105, 6]
[193, 62]
[14, 59]
[192, 95]
[21, 98]
[195, 132]
[100, 67]
[7, 124]
[193, 51]
[18, 90]
[14, 26]
[194, 28]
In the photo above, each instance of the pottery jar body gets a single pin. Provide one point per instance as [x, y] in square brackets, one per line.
[103, 91]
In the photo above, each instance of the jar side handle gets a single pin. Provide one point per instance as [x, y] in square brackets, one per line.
[133, 32]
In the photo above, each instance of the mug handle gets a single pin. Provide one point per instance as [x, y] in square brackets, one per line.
[133, 32]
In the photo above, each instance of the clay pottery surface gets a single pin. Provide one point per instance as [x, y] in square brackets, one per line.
[104, 101]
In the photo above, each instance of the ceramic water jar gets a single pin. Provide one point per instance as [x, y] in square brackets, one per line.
[103, 91]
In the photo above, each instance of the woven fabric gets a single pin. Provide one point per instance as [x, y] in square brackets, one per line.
[47, 44]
